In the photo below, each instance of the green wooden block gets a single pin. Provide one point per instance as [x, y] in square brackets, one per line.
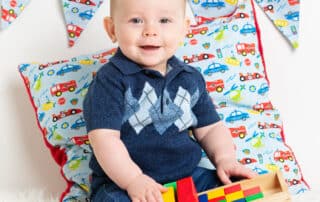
[171, 184]
[254, 197]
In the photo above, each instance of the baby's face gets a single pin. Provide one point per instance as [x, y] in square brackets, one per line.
[149, 31]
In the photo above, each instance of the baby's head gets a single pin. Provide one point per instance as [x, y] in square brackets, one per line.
[147, 31]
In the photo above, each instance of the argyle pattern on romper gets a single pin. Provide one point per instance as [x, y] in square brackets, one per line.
[147, 109]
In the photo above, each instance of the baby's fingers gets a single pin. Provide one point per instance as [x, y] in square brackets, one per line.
[154, 196]
[158, 196]
[223, 177]
[162, 188]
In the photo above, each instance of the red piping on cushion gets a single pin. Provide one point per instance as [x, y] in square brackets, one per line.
[59, 155]
[259, 41]
[266, 76]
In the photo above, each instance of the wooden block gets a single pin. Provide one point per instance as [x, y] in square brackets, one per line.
[214, 193]
[186, 191]
[252, 191]
[203, 198]
[232, 188]
[254, 197]
[273, 188]
[171, 184]
[234, 196]
[218, 199]
[169, 195]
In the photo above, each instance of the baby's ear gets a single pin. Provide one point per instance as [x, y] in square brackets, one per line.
[109, 27]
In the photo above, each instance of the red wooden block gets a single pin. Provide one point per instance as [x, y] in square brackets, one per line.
[251, 191]
[231, 189]
[186, 191]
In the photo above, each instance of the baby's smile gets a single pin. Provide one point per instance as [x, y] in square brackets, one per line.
[150, 47]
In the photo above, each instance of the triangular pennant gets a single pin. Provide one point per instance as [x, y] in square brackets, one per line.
[285, 16]
[77, 15]
[11, 10]
[207, 10]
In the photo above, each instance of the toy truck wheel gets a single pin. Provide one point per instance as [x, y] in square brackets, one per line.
[242, 78]
[71, 89]
[203, 32]
[58, 94]
[72, 35]
[189, 35]
[73, 111]
[242, 135]
[219, 89]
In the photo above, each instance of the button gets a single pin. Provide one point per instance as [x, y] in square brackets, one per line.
[167, 101]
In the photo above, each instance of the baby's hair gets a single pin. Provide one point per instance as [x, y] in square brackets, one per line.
[112, 6]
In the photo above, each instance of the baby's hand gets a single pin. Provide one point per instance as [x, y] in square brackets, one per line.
[145, 189]
[227, 168]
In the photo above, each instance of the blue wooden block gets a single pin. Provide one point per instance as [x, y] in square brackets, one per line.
[203, 198]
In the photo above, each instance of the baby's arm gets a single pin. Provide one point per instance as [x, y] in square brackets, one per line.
[217, 142]
[114, 159]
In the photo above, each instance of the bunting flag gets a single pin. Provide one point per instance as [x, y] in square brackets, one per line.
[11, 10]
[283, 13]
[77, 15]
[285, 16]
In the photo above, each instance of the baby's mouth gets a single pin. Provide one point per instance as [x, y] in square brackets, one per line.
[149, 47]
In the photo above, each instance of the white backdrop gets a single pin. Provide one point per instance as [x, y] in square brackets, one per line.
[39, 35]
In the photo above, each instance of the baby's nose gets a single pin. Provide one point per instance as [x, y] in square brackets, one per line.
[149, 34]
[150, 31]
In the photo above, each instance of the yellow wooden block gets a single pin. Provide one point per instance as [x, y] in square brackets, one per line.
[169, 195]
[214, 193]
[234, 196]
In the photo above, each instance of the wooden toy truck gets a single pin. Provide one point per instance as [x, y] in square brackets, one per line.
[269, 187]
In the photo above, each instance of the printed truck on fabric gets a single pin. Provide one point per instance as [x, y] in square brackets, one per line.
[57, 90]
[227, 52]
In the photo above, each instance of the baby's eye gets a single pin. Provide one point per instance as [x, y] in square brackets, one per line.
[136, 20]
[164, 20]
